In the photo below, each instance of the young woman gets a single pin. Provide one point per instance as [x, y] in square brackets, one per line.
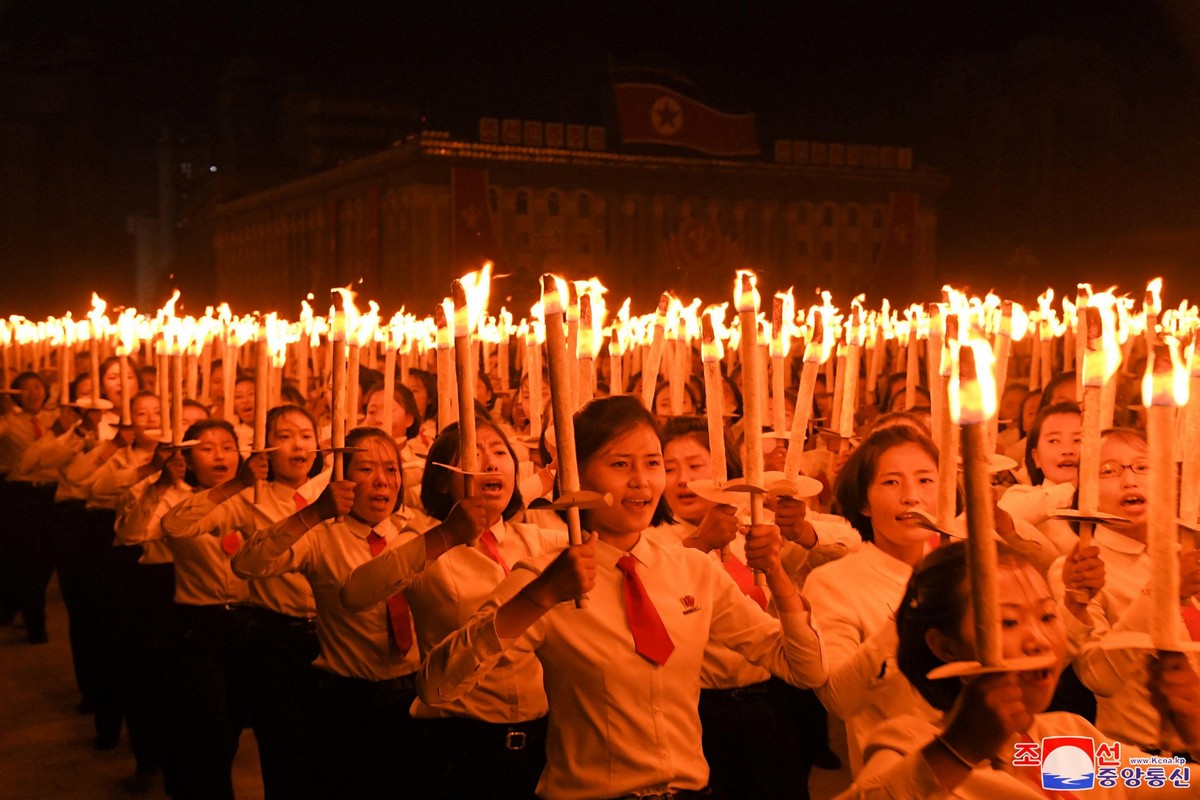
[894, 471]
[971, 754]
[492, 741]
[149, 610]
[104, 474]
[367, 663]
[741, 704]
[1052, 463]
[277, 620]
[406, 427]
[662, 402]
[423, 386]
[243, 412]
[207, 688]
[623, 690]
[1124, 709]
[26, 545]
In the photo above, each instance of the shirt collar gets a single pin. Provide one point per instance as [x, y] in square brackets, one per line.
[498, 530]
[1118, 541]
[886, 565]
[643, 551]
[362, 530]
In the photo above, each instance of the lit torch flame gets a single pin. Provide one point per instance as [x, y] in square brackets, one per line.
[1166, 380]
[745, 291]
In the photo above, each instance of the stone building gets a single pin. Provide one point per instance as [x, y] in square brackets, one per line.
[850, 218]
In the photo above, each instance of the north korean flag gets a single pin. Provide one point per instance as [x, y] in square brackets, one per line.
[653, 114]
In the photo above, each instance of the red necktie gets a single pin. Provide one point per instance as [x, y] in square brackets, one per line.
[230, 543]
[397, 606]
[1191, 618]
[650, 637]
[299, 500]
[738, 570]
[487, 543]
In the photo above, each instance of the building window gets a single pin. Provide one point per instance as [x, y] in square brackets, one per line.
[827, 251]
[494, 200]
[553, 204]
[522, 202]
[585, 244]
[585, 205]
[827, 219]
[852, 216]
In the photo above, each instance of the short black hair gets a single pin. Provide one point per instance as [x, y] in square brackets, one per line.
[603, 420]
[854, 479]
[1036, 476]
[435, 483]
[194, 431]
[273, 417]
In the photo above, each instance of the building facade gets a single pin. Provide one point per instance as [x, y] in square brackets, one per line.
[404, 222]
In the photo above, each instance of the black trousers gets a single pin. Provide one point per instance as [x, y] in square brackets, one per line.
[10, 593]
[371, 749]
[754, 743]
[111, 631]
[146, 662]
[31, 535]
[208, 701]
[74, 572]
[473, 758]
[281, 687]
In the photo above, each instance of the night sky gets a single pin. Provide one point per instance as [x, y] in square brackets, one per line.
[931, 75]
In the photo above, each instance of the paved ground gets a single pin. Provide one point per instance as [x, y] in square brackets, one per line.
[46, 745]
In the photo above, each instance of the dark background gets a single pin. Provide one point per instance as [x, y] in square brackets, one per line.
[1069, 128]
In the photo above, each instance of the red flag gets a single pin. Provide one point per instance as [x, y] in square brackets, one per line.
[658, 115]
[897, 264]
[473, 236]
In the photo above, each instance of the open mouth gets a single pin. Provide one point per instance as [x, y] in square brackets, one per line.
[491, 486]
[1070, 463]
[1037, 677]
[1135, 501]
[636, 504]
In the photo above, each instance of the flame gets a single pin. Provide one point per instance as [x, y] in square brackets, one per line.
[1166, 379]
[127, 332]
[710, 346]
[745, 291]
[821, 326]
[347, 320]
[972, 396]
[591, 319]
[554, 289]
[276, 332]
[443, 316]
[783, 323]
[478, 287]
[505, 324]
[1152, 305]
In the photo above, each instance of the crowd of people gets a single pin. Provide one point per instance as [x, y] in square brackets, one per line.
[404, 630]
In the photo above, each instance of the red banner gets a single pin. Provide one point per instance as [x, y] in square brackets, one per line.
[654, 114]
[897, 264]
[473, 236]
